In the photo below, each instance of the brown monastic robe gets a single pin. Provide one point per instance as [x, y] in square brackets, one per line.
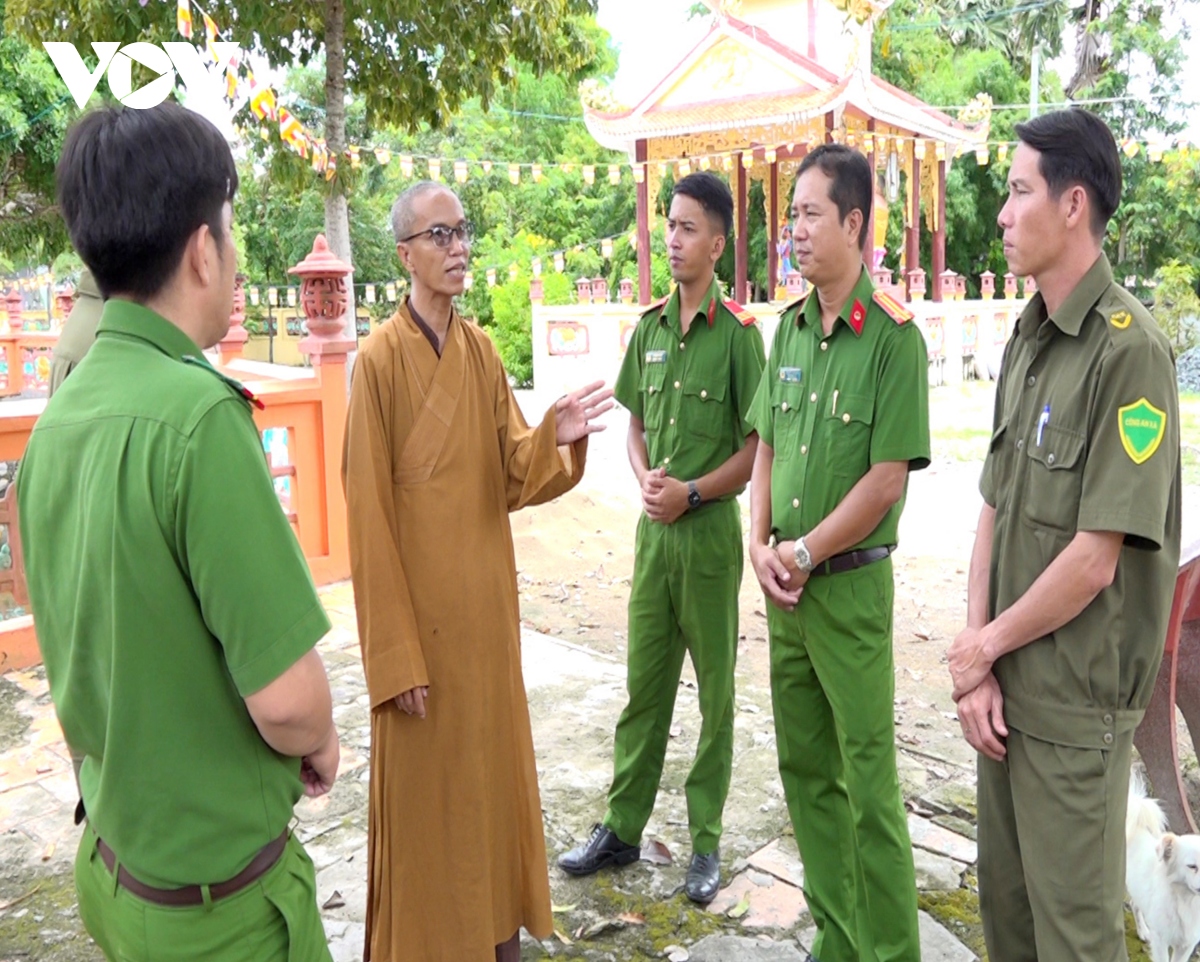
[437, 454]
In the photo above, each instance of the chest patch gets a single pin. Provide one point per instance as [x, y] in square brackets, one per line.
[656, 357]
[790, 375]
[1142, 428]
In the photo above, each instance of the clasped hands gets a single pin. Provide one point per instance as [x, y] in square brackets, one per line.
[977, 695]
[782, 581]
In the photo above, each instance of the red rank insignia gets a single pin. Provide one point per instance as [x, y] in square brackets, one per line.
[858, 314]
[712, 311]
[251, 397]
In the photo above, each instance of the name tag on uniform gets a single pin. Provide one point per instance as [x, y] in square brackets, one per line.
[656, 357]
[790, 375]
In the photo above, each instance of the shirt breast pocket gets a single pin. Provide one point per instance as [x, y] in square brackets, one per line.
[847, 425]
[703, 406]
[786, 423]
[653, 377]
[1055, 477]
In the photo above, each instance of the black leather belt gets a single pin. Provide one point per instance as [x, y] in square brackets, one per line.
[849, 560]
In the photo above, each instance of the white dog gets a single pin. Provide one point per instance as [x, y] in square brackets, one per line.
[1162, 874]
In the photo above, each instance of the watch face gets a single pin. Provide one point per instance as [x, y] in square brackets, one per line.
[694, 498]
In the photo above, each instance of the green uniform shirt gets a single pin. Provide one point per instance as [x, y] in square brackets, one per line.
[1086, 438]
[79, 331]
[166, 585]
[831, 407]
[692, 393]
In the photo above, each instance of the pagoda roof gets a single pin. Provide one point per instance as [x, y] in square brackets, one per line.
[739, 76]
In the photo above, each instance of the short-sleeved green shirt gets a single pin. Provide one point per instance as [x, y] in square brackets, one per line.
[1086, 438]
[831, 407]
[692, 393]
[166, 585]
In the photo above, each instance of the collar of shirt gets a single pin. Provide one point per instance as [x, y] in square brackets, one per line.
[87, 285]
[1070, 317]
[708, 309]
[853, 312]
[134, 320]
[423, 327]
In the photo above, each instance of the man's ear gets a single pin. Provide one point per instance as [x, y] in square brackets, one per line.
[195, 255]
[718, 247]
[854, 222]
[1076, 201]
[403, 255]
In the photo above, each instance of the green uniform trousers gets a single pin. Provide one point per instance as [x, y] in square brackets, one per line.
[1052, 851]
[684, 597]
[832, 686]
[274, 919]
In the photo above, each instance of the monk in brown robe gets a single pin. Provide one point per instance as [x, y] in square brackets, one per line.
[437, 454]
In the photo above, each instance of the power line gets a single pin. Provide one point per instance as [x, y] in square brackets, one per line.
[12, 131]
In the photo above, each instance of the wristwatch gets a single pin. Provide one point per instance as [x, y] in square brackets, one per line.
[803, 559]
[694, 499]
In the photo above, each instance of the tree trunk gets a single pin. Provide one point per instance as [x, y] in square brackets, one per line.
[337, 215]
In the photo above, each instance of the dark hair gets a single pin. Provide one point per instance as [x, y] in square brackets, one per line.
[711, 193]
[850, 172]
[1077, 148]
[134, 185]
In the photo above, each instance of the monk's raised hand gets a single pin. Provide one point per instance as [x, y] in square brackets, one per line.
[576, 413]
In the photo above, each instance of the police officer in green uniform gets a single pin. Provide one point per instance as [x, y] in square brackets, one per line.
[688, 377]
[175, 612]
[843, 417]
[79, 331]
[1075, 561]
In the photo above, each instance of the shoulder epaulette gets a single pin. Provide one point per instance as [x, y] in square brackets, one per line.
[745, 318]
[654, 305]
[233, 384]
[892, 307]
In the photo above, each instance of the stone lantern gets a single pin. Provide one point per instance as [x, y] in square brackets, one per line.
[599, 291]
[626, 289]
[960, 287]
[1010, 286]
[232, 344]
[1030, 286]
[12, 303]
[323, 295]
[916, 284]
[536, 290]
[946, 285]
[987, 285]
[583, 290]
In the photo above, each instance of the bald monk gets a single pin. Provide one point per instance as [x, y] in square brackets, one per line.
[437, 454]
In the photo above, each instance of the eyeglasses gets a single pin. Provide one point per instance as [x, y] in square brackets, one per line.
[440, 235]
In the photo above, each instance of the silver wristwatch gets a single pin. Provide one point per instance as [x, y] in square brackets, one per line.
[803, 559]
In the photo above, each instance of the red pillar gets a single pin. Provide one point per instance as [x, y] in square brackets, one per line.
[939, 235]
[829, 127]
[643, 226]
[869, 240]
[912, 240]
[741, 250]
[773, 231]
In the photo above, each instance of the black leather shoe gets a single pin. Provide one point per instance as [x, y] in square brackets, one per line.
[704, 877]
[599, 851]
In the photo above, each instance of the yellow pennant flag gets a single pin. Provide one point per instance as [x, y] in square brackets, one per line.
[639, 173]
[614, 174]
[514, 175]
[589, 174]
[210, 37]
[183, 18]
[406, 165]
[487, 166]
[383, 156]
[460, 171]
[352, 153]
[435, 169]
[536, 171]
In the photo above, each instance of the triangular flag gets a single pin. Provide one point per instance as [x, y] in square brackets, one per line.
[383, 156]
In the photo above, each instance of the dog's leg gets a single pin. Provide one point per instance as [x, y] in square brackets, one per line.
[1160, 949]
[1143, 930]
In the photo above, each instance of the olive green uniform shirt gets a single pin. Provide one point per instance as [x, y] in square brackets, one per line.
[166, 586]
[1086, 438]
[831, 407]
[79, 331]
[692, 393]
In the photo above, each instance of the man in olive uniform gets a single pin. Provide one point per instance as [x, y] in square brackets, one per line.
[843, 417]
[1075, 560]
[79, 331]
[688, 377]
[177, 624]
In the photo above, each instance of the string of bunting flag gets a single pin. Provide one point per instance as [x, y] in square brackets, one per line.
[241, 82]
